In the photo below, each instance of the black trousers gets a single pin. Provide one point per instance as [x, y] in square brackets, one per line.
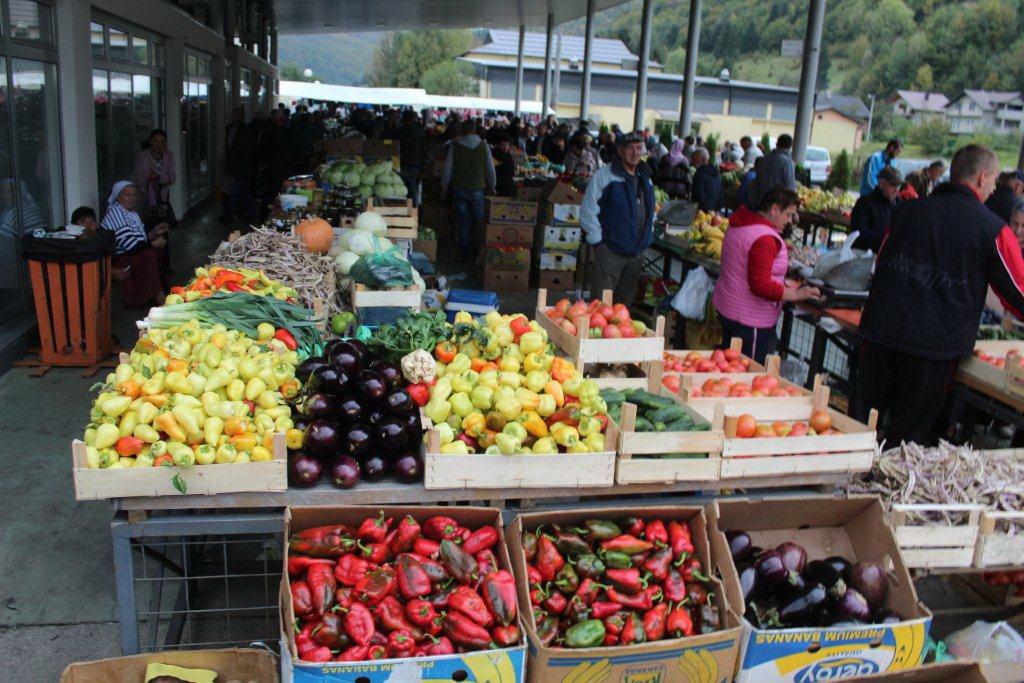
[911, 389]
[758, 342]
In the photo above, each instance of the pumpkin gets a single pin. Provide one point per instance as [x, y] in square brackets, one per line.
[316, 234]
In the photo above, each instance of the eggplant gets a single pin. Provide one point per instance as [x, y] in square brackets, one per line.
[412, 423]
[852, 605]
[375, 416]
[749, 580]
[357, 439]
[360, 347]
[804, 605]
[794, 557]
[371, 385]
[307, 367]
[323, 438]
[345, 472]
[329, 380]
[399, 402]
[303, 470]
[346, 357]
[886, 616]
[350, 408]
[300, 422]
[391, 372]
[329, 346]
[869, 579]
[740, 546]
[391, 435]
[821, 571]
[770, 568]
[408, 468]
[841, 565]
[320, 406]
[374, 468]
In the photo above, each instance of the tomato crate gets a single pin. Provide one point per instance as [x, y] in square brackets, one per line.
[481, 471]
[929, 539]
[674, 357]
[996, 546]
[402, 218]
[634, 468]
[1009, 377]
[849, 451]
[694, 389]
[269, 476]
[582, 349]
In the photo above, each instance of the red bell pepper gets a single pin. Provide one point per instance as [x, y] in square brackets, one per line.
[655, 532]
[673, 587]
[407, 531]
[440, 528]
[390, 614]
[375, 586]
[679, 539]
[679, 623]
[419, 393]
[129, 445]
[506, 636]
[654, 622]
[588, 590]
[332, 545]
[359, 624]
[633, 630]
[356, 653]
[538, 595]
[626, 581]
[466, 632]
[285, 337]
[519, 325]
[659, 562]
[466, 600]
[320, 578]
[626, 543]
[440, 646]
[377, 652]
[374, 529]
[697, 594]
[350, 569]
[343, 597]
[549, 560]
[641, 601]
[692, 569]
[532, 575]
[331, 632]
[486, 562]
[302, 599]
[413, 581]
[634, 526]
[555, 603]
[460, 565]
[600, 610]
[420, 612]
[400, 644]
[316, 654]
[374, 553]
[567, 414]
[483, 538]
[297, 564]
[434, 569]
[498, 590]
[426, 547]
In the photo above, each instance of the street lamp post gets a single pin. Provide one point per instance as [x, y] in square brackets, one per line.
[871, 116]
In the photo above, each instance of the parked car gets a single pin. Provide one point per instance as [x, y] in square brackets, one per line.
[819, 163]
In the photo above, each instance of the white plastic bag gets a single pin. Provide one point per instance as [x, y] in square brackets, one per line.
[692, 296]
[831, 259]
[987, 643]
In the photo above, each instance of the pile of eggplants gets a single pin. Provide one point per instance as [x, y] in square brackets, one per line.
[359, 421]
[781, 589]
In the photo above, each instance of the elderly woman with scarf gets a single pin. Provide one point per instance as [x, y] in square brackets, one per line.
[673, 172]
[137, 255]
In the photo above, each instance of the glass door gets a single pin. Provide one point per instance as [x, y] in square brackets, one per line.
[196, 129]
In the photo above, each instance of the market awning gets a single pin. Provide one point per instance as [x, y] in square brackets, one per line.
[326, 16]
[484, 103]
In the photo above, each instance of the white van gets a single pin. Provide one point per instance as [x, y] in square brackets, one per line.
[819, 163]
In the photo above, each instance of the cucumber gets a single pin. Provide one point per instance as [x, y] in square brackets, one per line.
[647, 400]
[668, 414]
[643, 425]
[612, 396]
[684, 425]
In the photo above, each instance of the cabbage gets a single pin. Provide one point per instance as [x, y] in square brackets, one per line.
[351, 179]
[369, 221]
[342, 235]
[381, 190]
[344, 261]
[366, 191]
[365, 242]
[368, 177]
[385, 165]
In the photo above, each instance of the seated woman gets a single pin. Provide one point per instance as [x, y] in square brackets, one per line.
[137, 256]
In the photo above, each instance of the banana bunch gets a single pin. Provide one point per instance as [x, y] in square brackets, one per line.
[707, 233]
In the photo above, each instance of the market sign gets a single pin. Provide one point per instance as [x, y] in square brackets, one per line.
[792, 48]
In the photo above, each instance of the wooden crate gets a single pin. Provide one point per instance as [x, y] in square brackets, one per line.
[403, 220]
[269, 476]
[409, 297]
[705, 405]
[583, 349]
[630, 470]
[479, 471]
[735, 343]
[850, 452]
[928, 544]
[995, 547]
[987, 373]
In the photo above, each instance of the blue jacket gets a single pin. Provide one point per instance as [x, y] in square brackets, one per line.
[872, 167]
[707, 188]
[609, 214]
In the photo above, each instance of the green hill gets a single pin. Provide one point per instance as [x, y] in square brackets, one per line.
[340, 58]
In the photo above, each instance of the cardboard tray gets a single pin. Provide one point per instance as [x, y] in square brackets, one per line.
[935, 544]
[487, 666]
[855, 528]
[947, 672]
[505, 210]
[238, 664]
[583, 349]
[270, 476]
[480, 471]
[677, 659]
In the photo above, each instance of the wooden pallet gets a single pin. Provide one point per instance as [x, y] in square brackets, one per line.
[403, 220]
[930, 544]
[581, 349]
[39, 368]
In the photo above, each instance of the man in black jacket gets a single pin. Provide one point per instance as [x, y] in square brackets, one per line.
[932, 273]
[873, 211]
[707, 184]
[1009, 189]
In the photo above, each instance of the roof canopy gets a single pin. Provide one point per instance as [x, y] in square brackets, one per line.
[506, 42]
[349, 16]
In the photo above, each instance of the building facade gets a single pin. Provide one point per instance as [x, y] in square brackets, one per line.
[974, 110]
[84, 83]
[919, 106]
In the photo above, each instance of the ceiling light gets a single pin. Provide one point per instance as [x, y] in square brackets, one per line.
[381, 24]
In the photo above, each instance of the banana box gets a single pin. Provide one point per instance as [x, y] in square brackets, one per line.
[708, 658]
[854, 528]
[504, 665]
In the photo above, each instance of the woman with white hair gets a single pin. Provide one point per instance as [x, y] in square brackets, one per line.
[137, 253]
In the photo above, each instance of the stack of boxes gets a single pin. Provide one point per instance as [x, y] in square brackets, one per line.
[561, 236]
[508, 244]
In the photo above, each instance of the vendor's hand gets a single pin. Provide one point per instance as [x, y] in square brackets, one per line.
[800, 293]
[159, 242]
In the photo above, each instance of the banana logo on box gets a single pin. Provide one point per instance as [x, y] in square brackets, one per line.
[596, 671]
[699, 666]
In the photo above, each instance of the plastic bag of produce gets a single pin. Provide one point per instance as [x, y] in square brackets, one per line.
[691, 298]
[987, 643]
[381, 270]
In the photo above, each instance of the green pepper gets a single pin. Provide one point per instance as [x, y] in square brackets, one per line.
[601, 529]
[588, 633]
[616, 560]
[570, 544]
[482, 397]
[589, 566]
[461, 404]
[567, 580]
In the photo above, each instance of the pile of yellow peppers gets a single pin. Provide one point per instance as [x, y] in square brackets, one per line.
[193, 395]
[521, 400]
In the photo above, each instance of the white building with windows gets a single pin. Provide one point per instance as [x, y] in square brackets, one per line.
[974, 110]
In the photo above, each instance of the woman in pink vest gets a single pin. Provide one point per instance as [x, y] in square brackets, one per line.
[752, 286]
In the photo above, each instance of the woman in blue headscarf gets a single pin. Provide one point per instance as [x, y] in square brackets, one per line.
[136, 257]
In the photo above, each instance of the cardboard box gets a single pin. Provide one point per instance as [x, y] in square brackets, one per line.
[529, 193]
[506, 280]
[556, 280]
[854, 528]
[509, 234]
[557, 192]
[507, 258]
[947, 672]
[557, 260]
[563, 215]
[712, 657]
[426, 247]
[237, 664]
[487, 666]
[506, 210]
[562, 239]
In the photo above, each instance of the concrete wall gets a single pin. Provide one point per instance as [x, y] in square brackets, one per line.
[835, 132]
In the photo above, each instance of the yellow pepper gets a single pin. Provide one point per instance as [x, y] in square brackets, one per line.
[533, 423]
[265, 332]
[595, 442]
[290, 388]
[482, 397]
[461, 383]
[146, 433]
[247, 368]
[177, 365]
[205, 454]
[115, 406]
[129, 388]
[461, 405]
[445, 433]
[294, 438]
[144, 458]
[577, 447]
[90, 435]
[263, 423]
[178, 383]
[187, 418]
[236, 425]
[571, 386]
[459, 364]
[123, 372]
[545, 446]
[437, 410]
[106, 436]
[261, 454]
[196, 382]
[588, 390]
[488, 378]
[588, 425]
[218, 379]
[188, 401]
[128, 422]
[157, 400]
[213, 427]
[463, 317]
[546, 405]
[562, 369]
[155, 384]
[509, 364]
[182, 455]
[510, 379]
[268, 399]
[244, 442]
[283, 424]
[537, 361]
[529, 400]
[554, 389]
[219, 339]
[474, 423]
[564, 435]
[457, 447]
[254, 388]
[226, 453]
[508, 407]
[531, 342]
[235, 390]
[517, 430]
[503, 335]
[167, 424]
[442, 389]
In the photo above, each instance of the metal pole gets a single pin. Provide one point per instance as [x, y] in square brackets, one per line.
[808, 80]
[545, 98]
[641, 73]
[556, 70]
[690, 75]
[519, 69]
[588, 41]
[871, 116]
[1020, 158]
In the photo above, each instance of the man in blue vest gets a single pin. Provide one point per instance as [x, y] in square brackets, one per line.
[875, 163]
[618, 218]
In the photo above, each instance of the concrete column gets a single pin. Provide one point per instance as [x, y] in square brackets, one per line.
[236, 79]
[273, 46]
[588, 43]
[77, 115]
[641, 72]
[546, 94]
[230, 27]
[220, 115]
[808, 80]
[174, 49]
[556, 70]
[519, 69]
[690, 71]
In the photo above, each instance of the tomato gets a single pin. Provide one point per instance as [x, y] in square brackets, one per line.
[746, 426]
[820, 421]
[764, 432]
[611, 332]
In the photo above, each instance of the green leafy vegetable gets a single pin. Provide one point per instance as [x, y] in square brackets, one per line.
[410, 332]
